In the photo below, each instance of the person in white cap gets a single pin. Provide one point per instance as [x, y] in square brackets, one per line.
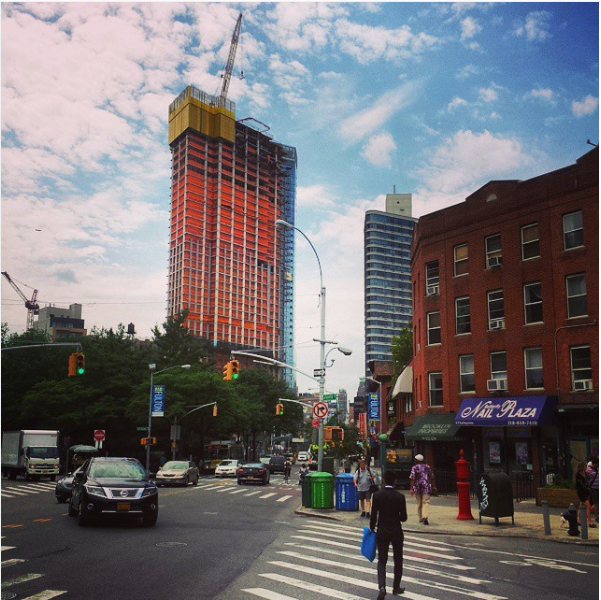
[421, 485]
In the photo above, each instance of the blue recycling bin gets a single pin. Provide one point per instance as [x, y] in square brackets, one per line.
[346, 492]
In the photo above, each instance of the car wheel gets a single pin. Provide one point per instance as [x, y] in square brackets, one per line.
[72, 511]
[83, 515]
[150, 519]
[61, 499]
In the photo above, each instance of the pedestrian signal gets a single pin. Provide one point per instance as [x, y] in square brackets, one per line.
[279, 409]
[215, 410]
[235, 368]
[227, 371]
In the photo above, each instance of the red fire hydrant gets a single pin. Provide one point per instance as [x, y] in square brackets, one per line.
[463, 489]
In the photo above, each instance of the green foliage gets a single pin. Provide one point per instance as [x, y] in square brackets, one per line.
[402, 349]
[561, 483]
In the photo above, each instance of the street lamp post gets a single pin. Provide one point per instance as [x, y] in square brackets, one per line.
[149, 432]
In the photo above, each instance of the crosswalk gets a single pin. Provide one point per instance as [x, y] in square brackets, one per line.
[324, 560]
[27, 489]
[9, 582]
[280, 492]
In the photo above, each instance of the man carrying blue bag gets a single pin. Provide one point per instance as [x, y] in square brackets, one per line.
[388, 511]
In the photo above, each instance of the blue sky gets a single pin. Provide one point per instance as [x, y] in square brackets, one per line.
[436, 99]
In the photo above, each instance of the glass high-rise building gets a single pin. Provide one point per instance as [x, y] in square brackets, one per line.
[388, 237]
[229, 266]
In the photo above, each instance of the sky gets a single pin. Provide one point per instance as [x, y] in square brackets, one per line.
[436, 99]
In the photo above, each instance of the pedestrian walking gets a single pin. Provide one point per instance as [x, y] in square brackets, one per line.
[421, 485]
[287, 470]
[363, 480]
[388, 511]
[593, 480]
[583, 490]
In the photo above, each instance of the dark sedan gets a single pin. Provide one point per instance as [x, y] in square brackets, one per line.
[63, 488]
[118, 486]
[253, 473]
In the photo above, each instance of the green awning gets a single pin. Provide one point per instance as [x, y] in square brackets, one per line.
[439, 427]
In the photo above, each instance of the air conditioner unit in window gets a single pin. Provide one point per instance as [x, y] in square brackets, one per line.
[496, 385]
[583, 385]
[495, 261]
[497, 323]
[432, 290]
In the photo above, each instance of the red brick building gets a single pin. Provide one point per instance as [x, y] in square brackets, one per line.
[505, 330]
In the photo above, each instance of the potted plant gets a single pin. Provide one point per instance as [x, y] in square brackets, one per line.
[559, 494]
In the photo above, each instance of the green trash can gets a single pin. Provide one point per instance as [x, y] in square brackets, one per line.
[306, 490]
[322, 490]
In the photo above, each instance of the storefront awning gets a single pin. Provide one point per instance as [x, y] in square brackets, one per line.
[404, 383]
[434, 428]
[517, 411]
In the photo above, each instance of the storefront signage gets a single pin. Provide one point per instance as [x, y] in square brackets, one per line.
[362, 426]
[374, 407]
[504, 412]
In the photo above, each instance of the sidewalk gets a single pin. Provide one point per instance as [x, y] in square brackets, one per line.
[528, 520]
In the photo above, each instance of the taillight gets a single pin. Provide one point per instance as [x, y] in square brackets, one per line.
[240, 471]
[261, 470]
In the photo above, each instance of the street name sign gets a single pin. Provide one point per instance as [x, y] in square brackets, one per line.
[319, 372]
[158, 400]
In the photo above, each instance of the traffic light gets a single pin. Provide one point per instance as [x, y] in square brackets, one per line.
[227, 371]
[215, 410]
[80, 363]
[337, 434]
[279, 409]
[235, 368]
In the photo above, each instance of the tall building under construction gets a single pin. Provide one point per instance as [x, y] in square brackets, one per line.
[229, 266]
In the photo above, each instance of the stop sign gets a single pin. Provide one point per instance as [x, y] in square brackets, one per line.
[99, 435]
[315, 423]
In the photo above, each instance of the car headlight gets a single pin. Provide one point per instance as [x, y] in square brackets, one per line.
[149, 491]
[95, 490]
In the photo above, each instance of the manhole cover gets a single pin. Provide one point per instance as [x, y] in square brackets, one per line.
[171, 544]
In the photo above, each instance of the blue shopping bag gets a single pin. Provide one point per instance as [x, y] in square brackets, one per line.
[368, 544]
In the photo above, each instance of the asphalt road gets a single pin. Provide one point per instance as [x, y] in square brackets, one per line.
[230, 542]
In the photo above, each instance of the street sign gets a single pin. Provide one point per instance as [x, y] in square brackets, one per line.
[374, 407]
[319, 372]
[320, 410]
[141, 428]
[315, 423]
[99, 435]
[158, 400]
[330, 397]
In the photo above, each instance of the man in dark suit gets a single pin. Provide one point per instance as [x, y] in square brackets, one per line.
[388, 510]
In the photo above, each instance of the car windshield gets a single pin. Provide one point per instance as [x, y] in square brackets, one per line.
[119, 469]
[175, 465]
[43, 452]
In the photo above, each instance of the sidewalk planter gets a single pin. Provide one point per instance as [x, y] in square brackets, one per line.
[322, 490]
[306, 491]
[557, 497]
[347, 497]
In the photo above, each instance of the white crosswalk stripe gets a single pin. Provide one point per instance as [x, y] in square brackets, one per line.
[328, 556]
[283, 498]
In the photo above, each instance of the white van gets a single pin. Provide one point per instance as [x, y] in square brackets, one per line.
[303, 457]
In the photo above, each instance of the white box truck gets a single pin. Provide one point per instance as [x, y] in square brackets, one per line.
[31, 453]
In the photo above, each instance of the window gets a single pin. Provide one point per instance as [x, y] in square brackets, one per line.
[530, 242]
[582, 372]
[466, 373]
[576, 294]
[533, 363]
[435, 386]
[434, 328]
[493, 250]
[572, 230]
[408, 404]
[496, 310]
[498, 365]
[533, 303]
[432, 278]
[462, 315]
[461, 260]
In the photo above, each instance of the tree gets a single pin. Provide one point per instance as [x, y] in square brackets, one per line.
[402, 350]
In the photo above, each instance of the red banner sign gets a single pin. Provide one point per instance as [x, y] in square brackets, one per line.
[362, 426]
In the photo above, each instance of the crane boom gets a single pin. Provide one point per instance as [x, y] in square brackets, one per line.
[33, 308]
[229, 67]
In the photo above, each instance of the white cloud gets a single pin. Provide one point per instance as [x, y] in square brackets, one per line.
[456, 103]
[378, 150]
[488, 94]
[536, 26]
[544, 94]
[469, 28]
[315, 196]
[468, 71]
[363, 123]
[584, 107]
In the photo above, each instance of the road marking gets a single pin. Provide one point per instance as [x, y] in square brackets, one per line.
[267, 594]
[254, 493]
[43, 486]
[41, 520]
[12, 562]
[267, 495]
[22, 579]
[4, 495]
[46, 595]
[238, 491]
[12, 526]
[319, 589]
[283, 498]
[15, 491]
[3, 548]
[362, 583]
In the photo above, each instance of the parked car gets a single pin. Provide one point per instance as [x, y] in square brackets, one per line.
[113, 486]
[276, 464]
[177, 472]
[227, 468]
[253, 472]
[62, 491]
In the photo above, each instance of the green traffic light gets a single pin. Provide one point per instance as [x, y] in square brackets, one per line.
[235, 376]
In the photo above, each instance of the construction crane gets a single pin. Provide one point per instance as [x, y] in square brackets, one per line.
[229, 67]
[33, 308]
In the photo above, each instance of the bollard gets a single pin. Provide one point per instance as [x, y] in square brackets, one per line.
[546, 520]
[583, 522]
[572, 518]
[463, 489]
